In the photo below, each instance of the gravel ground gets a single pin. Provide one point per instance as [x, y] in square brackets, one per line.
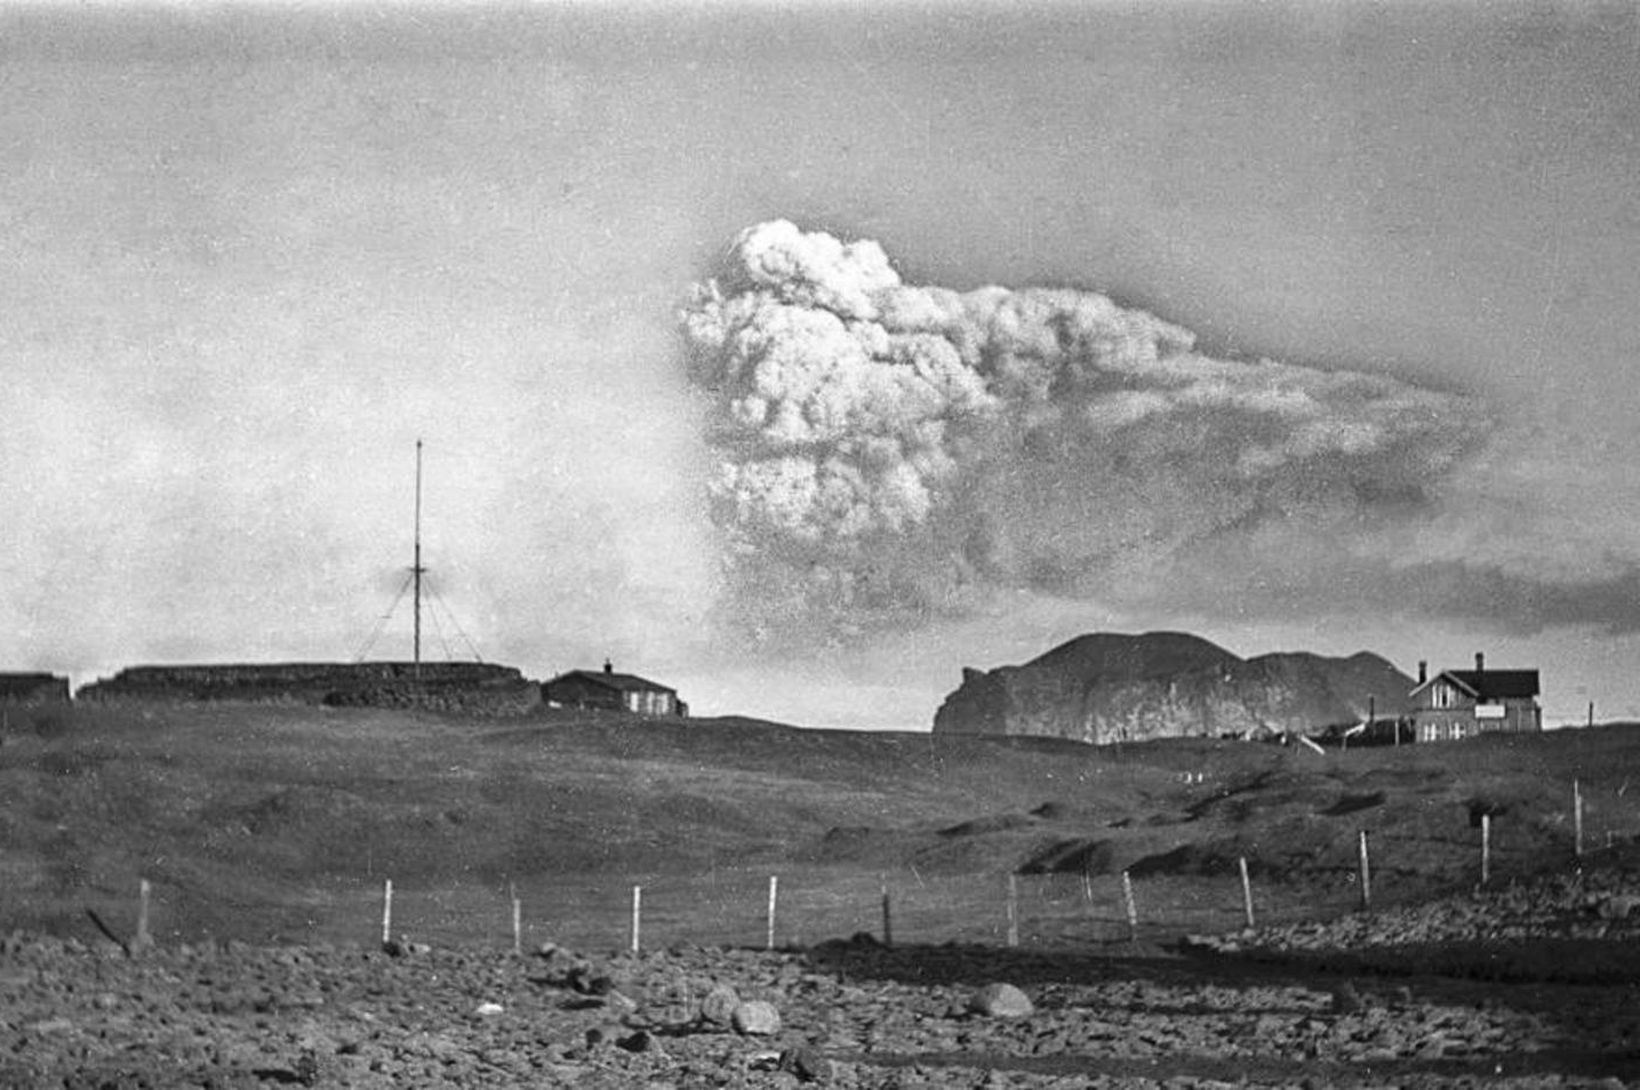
[1253, 1009]
[1581, 927]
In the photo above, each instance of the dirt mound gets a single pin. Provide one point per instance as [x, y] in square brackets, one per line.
[1079, 856]
[283, 812]
[993, 823]
[1209, 860]
[862, 845]
[1350, 804]
[1058, 811]
[1266, 793]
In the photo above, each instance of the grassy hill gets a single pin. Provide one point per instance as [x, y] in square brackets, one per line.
[253, 822]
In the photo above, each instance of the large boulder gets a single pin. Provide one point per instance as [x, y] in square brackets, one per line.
[1000, 1001]
[756, 1018]
[1108, 687]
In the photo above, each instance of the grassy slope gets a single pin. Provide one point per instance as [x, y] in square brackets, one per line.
[252, 820]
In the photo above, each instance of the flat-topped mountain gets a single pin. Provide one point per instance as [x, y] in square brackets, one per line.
[1109, 687]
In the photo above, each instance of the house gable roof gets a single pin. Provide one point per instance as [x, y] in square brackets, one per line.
[623, 683]
[1486, 685]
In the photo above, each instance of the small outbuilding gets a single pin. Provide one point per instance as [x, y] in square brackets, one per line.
[1463, 703]
[611, 691]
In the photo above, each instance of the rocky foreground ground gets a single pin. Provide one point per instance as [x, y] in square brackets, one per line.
[1353, 1003]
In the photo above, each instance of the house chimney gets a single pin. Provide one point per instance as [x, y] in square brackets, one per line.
[1423, 671]
[609, 667]
[1480, 662]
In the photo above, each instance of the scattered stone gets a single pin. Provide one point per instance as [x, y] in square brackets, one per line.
[806, 1063]
[284, 1075]
[718, 1005]
[620, 1004]
[641, 1041]
[358, 1018]
[50, 1025]
[1000, 1001]
[756, 1018]
[489, 1010]
[308, 1069]
[586, 980]
[1619, 906]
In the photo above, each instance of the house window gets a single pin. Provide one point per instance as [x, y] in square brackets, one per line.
[1442, 696]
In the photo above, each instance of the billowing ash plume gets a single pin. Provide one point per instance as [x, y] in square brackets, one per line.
[890, 450]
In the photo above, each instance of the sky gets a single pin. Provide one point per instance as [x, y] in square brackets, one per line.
[800, 355]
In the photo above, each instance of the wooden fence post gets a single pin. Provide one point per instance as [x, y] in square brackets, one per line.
[517, 920]
[1247, 892]
[1132, 908]
[1013, 910]
[774, 886]
[1366, 874]
[1486, 848]
[637, 917]
[1577, 818]
[387, 911]
[143, 940]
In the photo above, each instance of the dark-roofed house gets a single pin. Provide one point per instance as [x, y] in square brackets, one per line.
[1463, 703]
[33, 689]
[612, 691]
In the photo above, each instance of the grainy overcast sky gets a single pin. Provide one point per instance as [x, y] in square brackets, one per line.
[248, 255]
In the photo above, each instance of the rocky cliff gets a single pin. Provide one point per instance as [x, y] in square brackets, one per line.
[1107, 688]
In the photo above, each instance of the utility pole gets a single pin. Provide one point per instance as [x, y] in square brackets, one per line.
[417, 570]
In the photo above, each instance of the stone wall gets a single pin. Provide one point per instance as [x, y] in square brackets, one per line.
[33, 689]
[494, 699]
[468, 687]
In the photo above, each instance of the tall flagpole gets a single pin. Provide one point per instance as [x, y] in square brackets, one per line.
[418, 569]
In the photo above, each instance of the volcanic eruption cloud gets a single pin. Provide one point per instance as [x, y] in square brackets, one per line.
[888, 452]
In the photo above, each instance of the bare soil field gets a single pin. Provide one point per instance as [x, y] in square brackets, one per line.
[266, 834]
